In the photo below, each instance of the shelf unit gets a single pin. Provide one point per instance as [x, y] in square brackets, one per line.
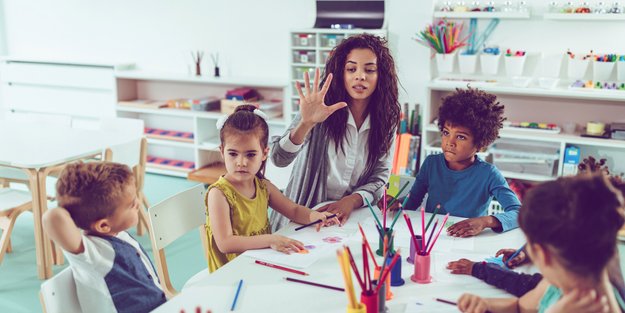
[584, 17]
[483, 15]
[204, 148]
[310, 49]
[559, 105]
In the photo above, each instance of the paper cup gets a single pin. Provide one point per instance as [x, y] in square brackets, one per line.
[602, 71]
[489, 63]
[514, 65]
[577, 68]
[445, 62]
[467, 63]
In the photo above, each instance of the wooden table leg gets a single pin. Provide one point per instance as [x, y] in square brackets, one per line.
[42, 243]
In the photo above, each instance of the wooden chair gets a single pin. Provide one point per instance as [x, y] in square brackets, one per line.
[12, 203]
[172, 218]
[58, 294]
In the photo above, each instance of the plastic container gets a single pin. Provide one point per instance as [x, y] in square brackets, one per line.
[548, 82]
[304, 56]
[521, 81]
[514, 65]
[370, 300]
[298, 73]
[602, 71]
[577, 68]
[489, 63]
[381, 296]
[551, 65]
[422, 266]
[304, 40]
[528, 157]
[396, 279]
[467, 63]
[445, 62]
[331, 40]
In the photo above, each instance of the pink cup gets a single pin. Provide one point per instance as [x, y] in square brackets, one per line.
[421, 269]
[370, 300]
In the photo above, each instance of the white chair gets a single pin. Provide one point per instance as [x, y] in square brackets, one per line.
[58, 294]
[172, 218]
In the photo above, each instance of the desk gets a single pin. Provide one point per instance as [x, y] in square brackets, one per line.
[265, 289]
[35, 149]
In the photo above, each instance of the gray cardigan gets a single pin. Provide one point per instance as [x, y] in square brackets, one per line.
[307, 184]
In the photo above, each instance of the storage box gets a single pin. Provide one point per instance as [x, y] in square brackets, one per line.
[528, 157]
[571, 160]
[304, 40]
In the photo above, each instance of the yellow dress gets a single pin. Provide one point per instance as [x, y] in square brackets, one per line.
[248, 217]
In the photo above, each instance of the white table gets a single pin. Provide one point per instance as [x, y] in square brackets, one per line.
[265, 290]
[35, 149]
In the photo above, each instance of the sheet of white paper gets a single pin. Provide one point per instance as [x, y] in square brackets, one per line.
[317, 244]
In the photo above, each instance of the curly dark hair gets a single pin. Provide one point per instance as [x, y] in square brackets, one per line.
[577, 218]
[245, 121]
[476, 110]
[383, 108]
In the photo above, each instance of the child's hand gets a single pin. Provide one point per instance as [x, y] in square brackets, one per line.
[462, 266]
[469, 303]
[394, 207]
[324, 216]
[578, 301]
[285, 245]
[469, 227]
[518, 260]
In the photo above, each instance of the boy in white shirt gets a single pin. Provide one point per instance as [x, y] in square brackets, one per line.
[97, 204]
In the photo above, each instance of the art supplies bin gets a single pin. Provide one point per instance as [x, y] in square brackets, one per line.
[325, 55]
[331, 40]
[467, 63]
[445, 62]
[577, 68]
[527, 157]
[620, 71]
[489, 63]
[298, 73]
[602, 71]
[514, 65]
[304, 40]
[551, 64]
[304, 56]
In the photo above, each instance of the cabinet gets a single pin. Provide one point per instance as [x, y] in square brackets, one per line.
[310, 49]
[558, 104]
[201, 147]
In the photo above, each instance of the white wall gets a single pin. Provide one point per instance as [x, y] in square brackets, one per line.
[251, 36]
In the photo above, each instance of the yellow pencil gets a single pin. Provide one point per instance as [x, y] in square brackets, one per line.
[339, 255]
[352, 294]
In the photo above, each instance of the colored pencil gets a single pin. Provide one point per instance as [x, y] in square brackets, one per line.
[365, 266]
[403, 204]
[236, 295]
[401, 210]
[432, 217]
[427, 244]
[384, 209]
[364, 239]
[355, 268]
[384, 274]
[414, 240]
[514, 255]
[439, 232]
[281, 267]
[423, 228]
[315, 222]
[314, 284]
[397, 195]
[373, 212]
[349, 285]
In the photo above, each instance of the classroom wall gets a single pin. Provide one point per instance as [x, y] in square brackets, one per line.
[251, 36]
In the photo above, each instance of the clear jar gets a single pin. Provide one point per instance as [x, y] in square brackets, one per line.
[509, 6]
[490, 7]
[460, 7]
[554, 7]
[600, 8]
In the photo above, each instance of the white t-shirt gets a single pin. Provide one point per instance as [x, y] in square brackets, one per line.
[113, 274]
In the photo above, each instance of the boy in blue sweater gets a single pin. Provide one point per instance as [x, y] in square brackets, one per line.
[458, 180]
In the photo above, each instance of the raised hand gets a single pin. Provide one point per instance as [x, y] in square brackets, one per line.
[313, 108]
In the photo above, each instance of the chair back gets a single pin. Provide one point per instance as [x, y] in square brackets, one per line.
[58, 294]
[170, 219]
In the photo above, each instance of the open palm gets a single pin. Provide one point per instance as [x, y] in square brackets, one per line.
[313, 108]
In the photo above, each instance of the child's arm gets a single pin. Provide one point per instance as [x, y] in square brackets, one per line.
[508, 200]
[515, 283]
[58, 224]
[295, 212]
[227, 242]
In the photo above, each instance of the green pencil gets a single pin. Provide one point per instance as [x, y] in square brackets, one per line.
[432, 217]
[397, 195]
[374, 216]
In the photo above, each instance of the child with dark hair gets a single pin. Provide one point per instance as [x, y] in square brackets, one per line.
[236, 205]
[457, 179]
[561, 220]
[111, 270]
[341, 138]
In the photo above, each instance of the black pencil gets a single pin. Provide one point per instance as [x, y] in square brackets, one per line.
[315, 222]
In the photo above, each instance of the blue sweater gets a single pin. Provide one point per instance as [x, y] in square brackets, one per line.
[465, 193]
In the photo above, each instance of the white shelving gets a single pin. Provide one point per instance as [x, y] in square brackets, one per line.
[483, 15]
[202, 150]
[584, 17]
[559, 105]
[310, 49]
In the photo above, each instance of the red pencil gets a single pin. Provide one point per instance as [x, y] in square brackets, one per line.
[281, 267]
[364, 239]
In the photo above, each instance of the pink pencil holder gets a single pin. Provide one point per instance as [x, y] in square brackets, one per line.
[370, 300]
[413, 249]
[421, 273]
